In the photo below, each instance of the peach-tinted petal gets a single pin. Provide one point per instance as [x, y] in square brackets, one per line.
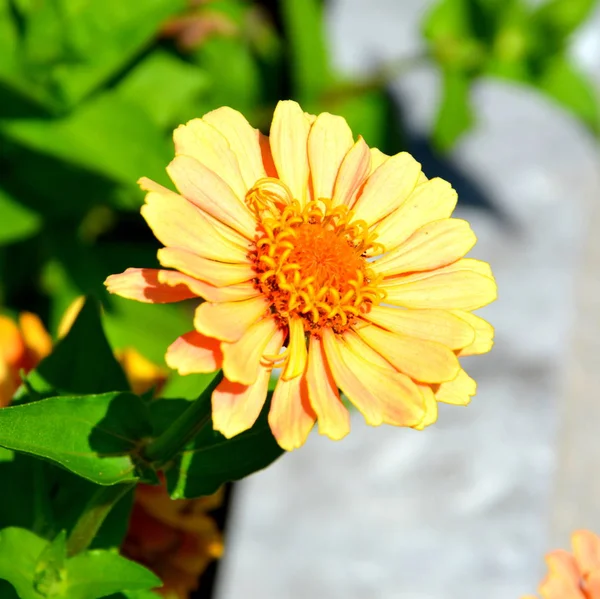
[421, 360]
[380, 394]
[563, 577]
[211, 194]
[484, 334]
[434, 245]
[333, 417]
[267, 156]
[242, 358]
[7, 384]
[329, 141]
[586, 548]
[428, 202]
[228, 321]
[387, 188]
[457, 392]
[12, 345]
[291, 417]
[193, 352]
[352, 174]
[231, 293]
[235, 407]
[151, 285]
[177, 222]
[243, 140]
[208, 146]
[433, 325]
[456, 287]
[431, 408]
[36, 337]
[592, 584]
[219, 274]
[377, 159]
[289, 139]
[297, 352]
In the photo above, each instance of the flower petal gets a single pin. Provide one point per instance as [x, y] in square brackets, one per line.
[201, 141]
[152, 286]
[434, 245]
[242, 358]
[421, 360]
[431, 408]
[432, 325]
[333, 417]
[387, 188]
[37, 339]
[456, 286]
[210, 193]
[484, 334]
[352, 174]
[194, 353]
[177, 222]
[12, 344]
[381, 394]
[297, 353]
[243, 140]
[586, 548]
[428, 202]
[329, 141]
[235, 407]
[228, 321]
[377, 159]
[219, 274]
[457, 392]
[289, 139]
[291, 417]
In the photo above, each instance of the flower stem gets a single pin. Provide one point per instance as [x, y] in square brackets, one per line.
[94, 514]
[167, 445]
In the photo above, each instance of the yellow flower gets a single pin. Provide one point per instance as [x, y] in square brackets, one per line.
[310, 241]
[573, 576]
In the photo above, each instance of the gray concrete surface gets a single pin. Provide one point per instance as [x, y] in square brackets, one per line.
[462, 510]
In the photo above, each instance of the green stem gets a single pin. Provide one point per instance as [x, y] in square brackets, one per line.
[94, 514]
[167, 445]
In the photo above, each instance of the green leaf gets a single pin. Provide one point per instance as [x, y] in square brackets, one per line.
[172, 84]
[49, 574]
[563, 17]
[95, 436]
[310, 66]
[17, 221]
[189, 386]
[570, 88]
[211, 459]
[455, 114]
[82, 362]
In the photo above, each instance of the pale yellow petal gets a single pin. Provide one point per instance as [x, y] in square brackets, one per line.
[177, 222]
[228, 321]
[219, 274]
[289, 147]
[387, 188]
[297, 352]
[457, 392]
[243, 140]
[194, 353]
[377, 159]
[333, 417]
[352, 174]
[433, 325]
[428, 202]
[242, 358]
[432, 246]
[484, 334]
[211, 194]
[431, 408]
[291, 417]
[421, 360]
[35, 335]
[329, 141]
[208, 146]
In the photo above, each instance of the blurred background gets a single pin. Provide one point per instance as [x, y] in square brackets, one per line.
[500, 97]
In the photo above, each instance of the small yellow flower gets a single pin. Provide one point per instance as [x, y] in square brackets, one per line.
[573, 576]
[317, 255]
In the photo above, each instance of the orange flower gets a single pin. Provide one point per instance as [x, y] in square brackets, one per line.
[311, 241]
[575, 576]
[22, 346]
[176, 539]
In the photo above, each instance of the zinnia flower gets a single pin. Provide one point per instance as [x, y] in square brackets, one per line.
[573, 576]
[317, 255]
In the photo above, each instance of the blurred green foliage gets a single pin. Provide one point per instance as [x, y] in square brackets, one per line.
[513, 40]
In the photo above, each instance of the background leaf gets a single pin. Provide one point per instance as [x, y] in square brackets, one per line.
[18, 221]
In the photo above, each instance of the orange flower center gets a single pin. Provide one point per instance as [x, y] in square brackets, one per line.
[311, 260]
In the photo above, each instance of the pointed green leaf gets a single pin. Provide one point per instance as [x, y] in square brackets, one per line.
[563, 17]
[94, 436]
[17, 220]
